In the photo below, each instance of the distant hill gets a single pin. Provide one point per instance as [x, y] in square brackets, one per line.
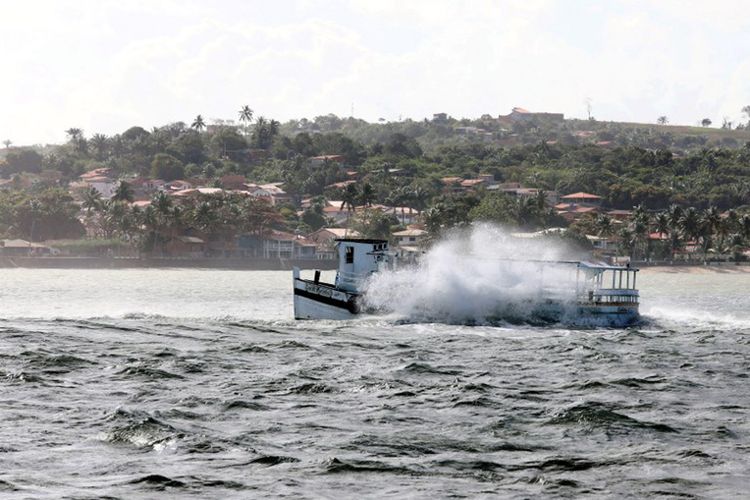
[533, 128]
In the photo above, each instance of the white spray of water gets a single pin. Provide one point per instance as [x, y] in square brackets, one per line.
[476, 276]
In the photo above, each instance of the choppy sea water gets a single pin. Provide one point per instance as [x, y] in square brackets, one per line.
[197, 383]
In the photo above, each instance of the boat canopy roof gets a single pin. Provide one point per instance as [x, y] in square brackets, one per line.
[594, 266]
[361, 240]
[604, 267]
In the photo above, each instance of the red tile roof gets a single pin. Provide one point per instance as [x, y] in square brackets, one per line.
[581, 196]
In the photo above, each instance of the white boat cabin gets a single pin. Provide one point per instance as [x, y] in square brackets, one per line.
[358, 259]
[599, 283]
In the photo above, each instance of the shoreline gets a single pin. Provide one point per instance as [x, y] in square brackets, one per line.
[25, 262]
[7, 262]
[711, 268]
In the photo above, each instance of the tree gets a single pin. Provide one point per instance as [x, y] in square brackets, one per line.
[373, 223]
[662, 120]
[123, 192]
[228, 143]
[167, 167]
[746, 111]
[7, 143]
[22, 160]
[246, 114]
[74, 134]
[198, 123]
[690, 224]
[366, 194]
[706, 122]
[350, 198]
[91, 200]
[604, 226]
[99, 142]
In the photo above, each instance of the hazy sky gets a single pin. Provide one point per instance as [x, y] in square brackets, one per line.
[106, 65]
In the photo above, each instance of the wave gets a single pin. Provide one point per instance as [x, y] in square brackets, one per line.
[593, 415]
[483, 276]
[140, 429]
[694, 320]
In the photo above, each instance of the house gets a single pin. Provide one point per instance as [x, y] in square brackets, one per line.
[573, 211]
[318, 161]
[233, 182]
[518, 114]
[603, 245]
[278, 244]
[440, 117]
[271, 192]
[340, 185]
[101, 180]
[336, 211]
[410, 237]
[452, 184]
[328, 235]
[405, 215]
[283, 245]
[517, 190]
[582, 198]
[17, 247]
[185, 246]
[145, 188]
[305, 248]
[177, 185]
[621, 215]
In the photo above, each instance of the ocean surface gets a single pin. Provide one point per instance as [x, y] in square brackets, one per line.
[198, 383]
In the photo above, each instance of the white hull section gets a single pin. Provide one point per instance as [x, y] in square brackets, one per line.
[315, 300]
[305, 308]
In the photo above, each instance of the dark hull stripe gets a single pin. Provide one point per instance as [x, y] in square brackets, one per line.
[350, 305]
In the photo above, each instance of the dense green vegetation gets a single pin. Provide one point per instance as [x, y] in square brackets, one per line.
[654, 167]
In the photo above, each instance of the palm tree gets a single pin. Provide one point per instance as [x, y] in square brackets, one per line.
[198, 123]
[123, 192]
[92, 200]
[204, 218]
[99, 141]
[627, 241]
[273, 128]
[420, 197]
[603, 225]
[674, 214]
[350, 197]
[690, 224]
[246, 114]
[744, 227]
[366, 194]
[74, 134]
[162, 203]
[662, 223]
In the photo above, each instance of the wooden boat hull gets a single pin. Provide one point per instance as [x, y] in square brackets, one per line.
[323, 301]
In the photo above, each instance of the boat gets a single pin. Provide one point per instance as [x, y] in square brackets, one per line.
[358, 260]
[605, 295]
[571, 292]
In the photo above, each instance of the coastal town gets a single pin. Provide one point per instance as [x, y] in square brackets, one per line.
[248, 192]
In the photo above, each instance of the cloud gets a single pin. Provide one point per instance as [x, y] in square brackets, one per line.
[104, 66]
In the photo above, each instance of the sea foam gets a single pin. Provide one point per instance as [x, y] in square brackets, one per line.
[478, 275]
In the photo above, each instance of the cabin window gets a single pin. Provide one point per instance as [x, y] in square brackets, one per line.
[350, 255]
